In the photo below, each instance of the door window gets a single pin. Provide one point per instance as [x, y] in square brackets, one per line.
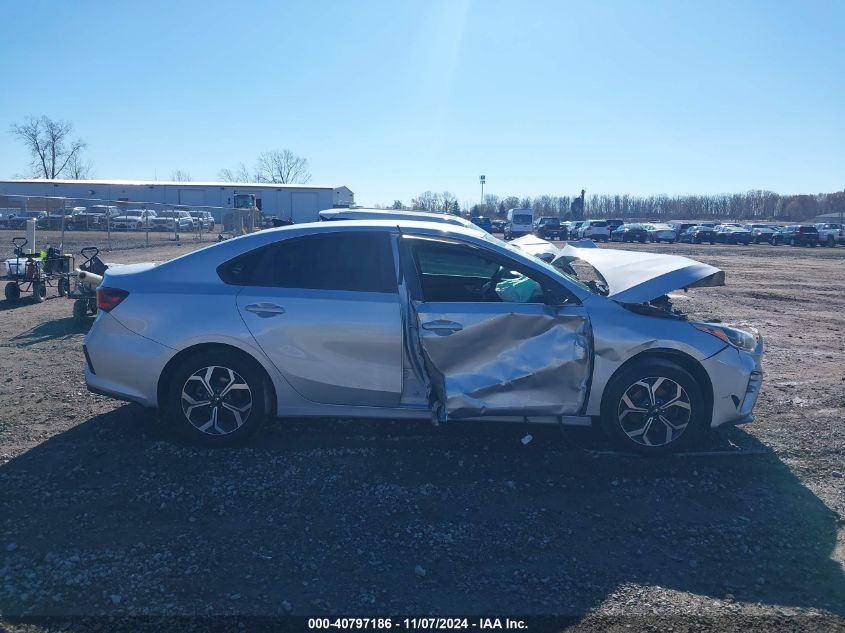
[353, 261]
[458, 273]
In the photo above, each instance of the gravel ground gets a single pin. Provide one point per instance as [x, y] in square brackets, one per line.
[104, 513]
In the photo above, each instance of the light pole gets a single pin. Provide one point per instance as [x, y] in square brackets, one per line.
[482, 179]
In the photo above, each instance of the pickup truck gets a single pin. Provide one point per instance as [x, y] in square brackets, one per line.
[831, 233]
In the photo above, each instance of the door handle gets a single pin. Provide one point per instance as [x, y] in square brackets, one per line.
[265, 309]
[442, 326]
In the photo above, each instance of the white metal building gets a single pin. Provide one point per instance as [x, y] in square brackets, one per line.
[297, 202]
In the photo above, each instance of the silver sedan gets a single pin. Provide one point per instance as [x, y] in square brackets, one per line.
[407, 319]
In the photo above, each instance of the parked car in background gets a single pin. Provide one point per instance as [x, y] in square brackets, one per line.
[294, 322]
[797, 235]
[19, 219]
[614, 224]
[133, 220]
[94, 218]
[831, 233]
[57, 218]
[550, 228]
[762, 232]
[483, 223]
[520, 222]
[680, 227]
[660, 233]
[629, 233]
[698, 235]
[203, 220]
[596, 230]
[497, 226]
[733, 234]
[172, 220]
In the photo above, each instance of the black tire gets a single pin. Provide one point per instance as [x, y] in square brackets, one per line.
[12, 291]
[63, 286]
[650, 371]
[712, 242]
[830, 241]
[39, 291]
[187, 378]
[642, 240]
[80, 310]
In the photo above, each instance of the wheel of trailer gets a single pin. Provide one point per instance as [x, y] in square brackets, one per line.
[12, 291]
[217, 398]
[39, 291]
[63, 286]
[80, 310]
[653, 407]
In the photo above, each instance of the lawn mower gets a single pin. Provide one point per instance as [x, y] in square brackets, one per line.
[36, 271]
[89, 275]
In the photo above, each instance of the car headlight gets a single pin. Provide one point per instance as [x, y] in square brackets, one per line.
[741, 339]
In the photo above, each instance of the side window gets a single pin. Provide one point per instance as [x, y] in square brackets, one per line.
[351, 261]
[458, 273]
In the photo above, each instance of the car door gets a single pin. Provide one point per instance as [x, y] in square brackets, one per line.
[325, 310]
[496, 337]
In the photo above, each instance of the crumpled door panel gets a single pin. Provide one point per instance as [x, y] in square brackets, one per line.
[513, 359]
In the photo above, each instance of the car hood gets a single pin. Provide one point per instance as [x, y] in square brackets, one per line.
[536, 246]
[638, 277]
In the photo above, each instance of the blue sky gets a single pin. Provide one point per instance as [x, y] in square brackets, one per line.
[396, 97]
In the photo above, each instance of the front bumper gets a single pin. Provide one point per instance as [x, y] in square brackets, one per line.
[737, 377]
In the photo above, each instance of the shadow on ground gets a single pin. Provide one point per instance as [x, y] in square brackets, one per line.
[51, 330]
[115, 517]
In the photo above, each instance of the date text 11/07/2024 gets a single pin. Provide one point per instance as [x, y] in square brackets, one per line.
[424, 623]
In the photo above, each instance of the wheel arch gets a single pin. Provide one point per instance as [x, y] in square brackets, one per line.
[178, 358]
[683, 360]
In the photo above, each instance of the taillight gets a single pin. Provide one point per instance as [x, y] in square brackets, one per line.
[109, 298]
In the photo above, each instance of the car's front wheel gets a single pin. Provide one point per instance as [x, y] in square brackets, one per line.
[218, 398]
[653, 407]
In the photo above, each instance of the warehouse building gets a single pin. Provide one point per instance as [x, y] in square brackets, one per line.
[299, 203]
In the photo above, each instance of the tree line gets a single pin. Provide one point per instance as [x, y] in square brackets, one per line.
[751, 205]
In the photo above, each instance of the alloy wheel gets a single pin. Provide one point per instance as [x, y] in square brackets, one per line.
[216, 400]
[654, 411]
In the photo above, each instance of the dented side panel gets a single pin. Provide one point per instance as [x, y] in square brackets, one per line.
[506, 359]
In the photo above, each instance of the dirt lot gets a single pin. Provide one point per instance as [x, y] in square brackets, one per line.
[103, 512]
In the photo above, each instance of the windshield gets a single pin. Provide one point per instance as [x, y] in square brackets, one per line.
[553, 270]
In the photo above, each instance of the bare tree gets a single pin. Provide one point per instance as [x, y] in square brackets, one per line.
[239, 174]
[49, 145]
[180, 175]
[79, 169]
[282, 167]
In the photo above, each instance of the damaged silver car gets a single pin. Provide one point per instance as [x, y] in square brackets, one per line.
[406, 319]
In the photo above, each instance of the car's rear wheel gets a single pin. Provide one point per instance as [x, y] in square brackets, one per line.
[217, 398]
[653, 407]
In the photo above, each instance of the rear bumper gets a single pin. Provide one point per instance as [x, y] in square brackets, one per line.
[108, 346]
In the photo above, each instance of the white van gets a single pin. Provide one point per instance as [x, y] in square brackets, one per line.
[520, 222]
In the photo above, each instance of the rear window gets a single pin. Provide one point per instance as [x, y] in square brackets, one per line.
[807, 229]
[599, 223]
[356, 262]
[522, 219]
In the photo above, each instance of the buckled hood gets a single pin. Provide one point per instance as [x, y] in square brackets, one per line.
[639, 277]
